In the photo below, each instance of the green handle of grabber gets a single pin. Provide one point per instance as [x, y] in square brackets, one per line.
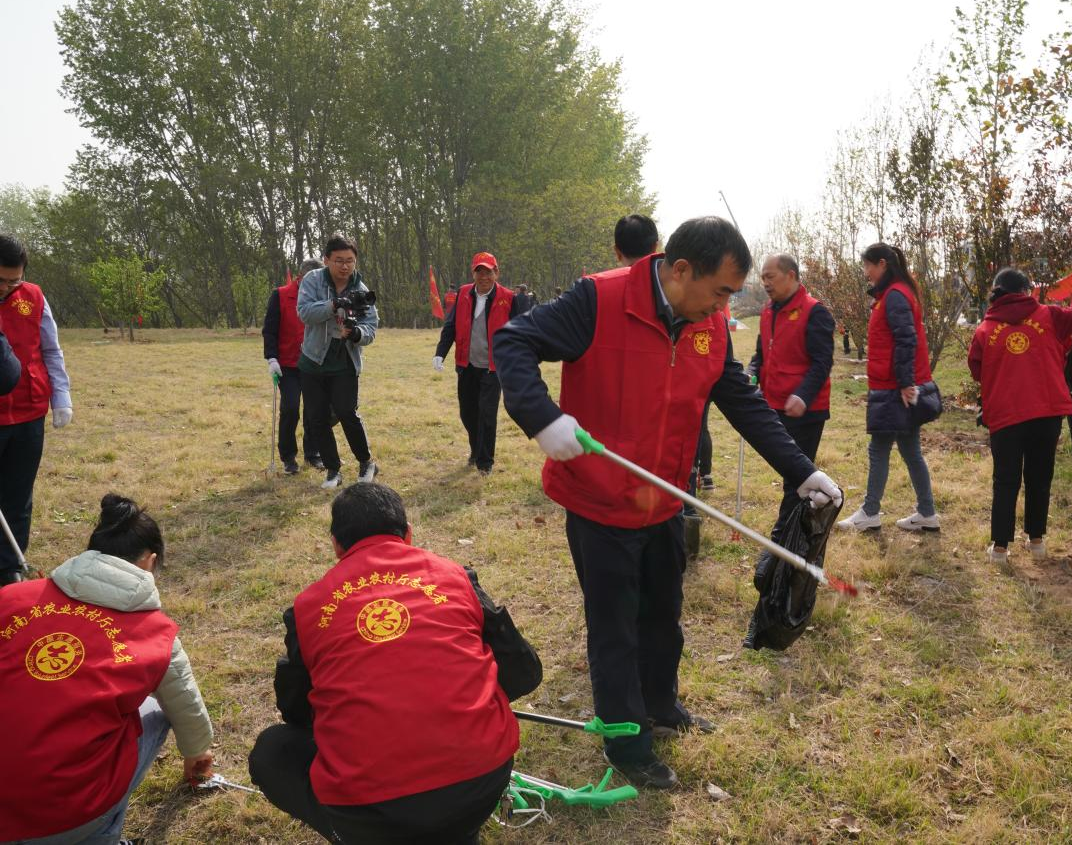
[598, 726]
[275, 379]
[590, 444]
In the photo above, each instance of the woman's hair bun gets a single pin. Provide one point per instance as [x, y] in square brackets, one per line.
[117, 511]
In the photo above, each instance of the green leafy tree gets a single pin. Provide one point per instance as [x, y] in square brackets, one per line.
[127, 291]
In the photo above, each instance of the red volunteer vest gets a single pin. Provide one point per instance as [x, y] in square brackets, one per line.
[1022, 370]
[880, 375]
[463, 320]
[405, 692]
[449, 298]
[20, 315]
[291, 328]
[75, 675]
[642, 396]
[785, 353]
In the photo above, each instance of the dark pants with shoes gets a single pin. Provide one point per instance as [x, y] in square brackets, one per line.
[1025, 450]
[327, 392]
[631, 580]
[289, 413]
[451, 815]
[807, 435]
[20, 456]
[478, 406]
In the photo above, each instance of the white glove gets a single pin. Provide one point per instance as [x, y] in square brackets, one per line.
[820, 488]
[61, 416]
[437, 364]
[558, 440]
[274, 369]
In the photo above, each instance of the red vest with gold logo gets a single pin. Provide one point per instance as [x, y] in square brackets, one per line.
[20, 315]
[291, 328]
[1022, 370]
[642, 396]
[785, 352]
[880, 374]
[405, 692]
[74, 675]
[498, 317]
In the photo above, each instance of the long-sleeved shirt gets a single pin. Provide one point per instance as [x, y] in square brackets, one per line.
[819, 344]
[563, 329]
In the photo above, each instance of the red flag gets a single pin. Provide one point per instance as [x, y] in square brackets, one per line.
[1060, 290]
[289, 279]
[433, 293]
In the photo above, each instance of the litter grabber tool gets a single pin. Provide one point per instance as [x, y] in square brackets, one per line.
[596, 726]
[735, 535]
[275, 407]
[527, 795]
[23, 565]
[218, 781]
[594, 447]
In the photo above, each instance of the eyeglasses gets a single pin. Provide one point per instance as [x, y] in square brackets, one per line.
[344, 262]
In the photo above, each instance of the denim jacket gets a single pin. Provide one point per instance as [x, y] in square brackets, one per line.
[314, 308]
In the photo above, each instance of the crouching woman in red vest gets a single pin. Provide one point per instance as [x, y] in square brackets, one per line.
[1018, 356]
[96, 676]
[395, 691]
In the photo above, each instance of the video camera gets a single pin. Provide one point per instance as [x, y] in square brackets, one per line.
[350, 309]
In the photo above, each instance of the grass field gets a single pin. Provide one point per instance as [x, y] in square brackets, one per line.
[933, 708]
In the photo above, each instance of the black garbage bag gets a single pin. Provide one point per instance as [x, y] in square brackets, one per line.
[787, 595]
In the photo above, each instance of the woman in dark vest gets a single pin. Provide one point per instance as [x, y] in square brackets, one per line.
[897, 367]
[1018, 356]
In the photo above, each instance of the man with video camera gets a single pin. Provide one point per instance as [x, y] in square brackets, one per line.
[340, 317]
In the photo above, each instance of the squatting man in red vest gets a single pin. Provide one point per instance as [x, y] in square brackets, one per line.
[27, 322]
[94, 676]
[283, 332]
[483, 307]
[794, 356]
[395, 691]
[643, 348]
[330, 360]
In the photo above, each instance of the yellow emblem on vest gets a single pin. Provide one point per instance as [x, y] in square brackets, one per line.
[701, 342]
[24, 307]
[1017, 343]
[55, 657]
[794, 314]
[382, 620]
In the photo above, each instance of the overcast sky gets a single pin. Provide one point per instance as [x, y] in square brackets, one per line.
[743, 97]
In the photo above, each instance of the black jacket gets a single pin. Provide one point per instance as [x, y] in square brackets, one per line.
[10, 367]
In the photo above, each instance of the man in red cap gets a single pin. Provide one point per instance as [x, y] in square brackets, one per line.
[482, 308]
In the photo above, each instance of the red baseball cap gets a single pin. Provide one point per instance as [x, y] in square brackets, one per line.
[484, 259]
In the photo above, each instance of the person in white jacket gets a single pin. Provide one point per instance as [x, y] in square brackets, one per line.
[97, 676]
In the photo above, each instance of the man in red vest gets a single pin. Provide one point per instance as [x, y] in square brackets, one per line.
[283, 332]
[794, 356]
[643, 349]
[27, 322]
[483, 307]
[395, 691]
[450, 297]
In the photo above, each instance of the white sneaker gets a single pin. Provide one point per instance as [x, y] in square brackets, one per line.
[1038, 550]
[333, 480]
[915, 522]
[860, 521]
[997, 558]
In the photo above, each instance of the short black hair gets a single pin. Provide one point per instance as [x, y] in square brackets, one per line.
[365, 510]
[339, 242]
[704, 242]
[635, 236]
[12, 252]
[126, 531]
[1009, 280]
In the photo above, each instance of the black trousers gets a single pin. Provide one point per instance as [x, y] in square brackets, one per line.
[289, 413]
[279, 764]
[1026, 450]
[807, 435]
[478, 406]
[335, 392]
[631, 580]
[21, 446]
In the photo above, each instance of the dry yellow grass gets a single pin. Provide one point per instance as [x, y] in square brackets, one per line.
[934, 708]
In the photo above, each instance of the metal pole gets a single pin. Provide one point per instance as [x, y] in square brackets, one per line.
[14, 545]
[271, 443]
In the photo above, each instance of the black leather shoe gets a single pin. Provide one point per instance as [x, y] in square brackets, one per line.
[654, 773]
[315, 462]
[693, 723]
[290, 467]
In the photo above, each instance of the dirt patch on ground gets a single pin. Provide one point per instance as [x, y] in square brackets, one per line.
[956, 441]
[1052, 576]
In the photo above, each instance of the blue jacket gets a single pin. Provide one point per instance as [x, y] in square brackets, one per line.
[315, 296]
